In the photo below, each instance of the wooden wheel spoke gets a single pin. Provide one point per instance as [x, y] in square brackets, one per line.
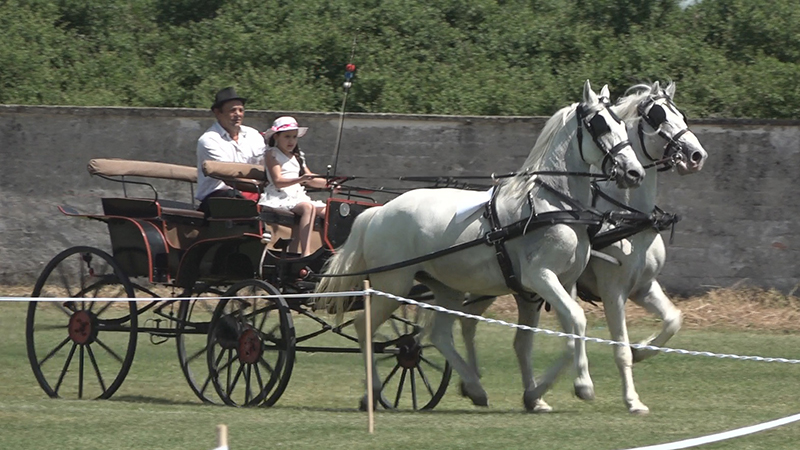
[425, 380]
[65, 368]
[270, 336]
[108, 349]
[224, 366]
[391, 374]
[196, 355]
[54, 351]
[413, 389]
[400, 387]
[64, 280]
[81, 359]
[205, 384]
[104, 308]
[247, 391]
[259, 378]
[384, 358]
[266, 365]
[63, 308]
[96, 368]
[235, 380]
[229, 368]
[432, 364]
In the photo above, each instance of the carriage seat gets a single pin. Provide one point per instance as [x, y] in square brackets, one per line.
[146, 208]
[253, 178]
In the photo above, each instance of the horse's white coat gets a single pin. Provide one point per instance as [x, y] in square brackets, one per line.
[547, 260]
[641, 256]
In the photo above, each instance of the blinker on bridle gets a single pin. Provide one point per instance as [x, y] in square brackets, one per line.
[597, 127]
[656, 117]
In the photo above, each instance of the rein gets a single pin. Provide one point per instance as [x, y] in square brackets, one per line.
[630, 221]
[655, 118]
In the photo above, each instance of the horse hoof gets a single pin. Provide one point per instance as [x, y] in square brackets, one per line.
[640, 355]
[362, 405]
[535, 394]
[480, 400]
[462, 389]
[638, 409]
[476, 394]
[536, 406]
[584, 392]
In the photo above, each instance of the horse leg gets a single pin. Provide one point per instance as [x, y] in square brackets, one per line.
[614, 306]
[528, 315]
[573, 321]
[441, 335]
[468, 330]
[653, 299]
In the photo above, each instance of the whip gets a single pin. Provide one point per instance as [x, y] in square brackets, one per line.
[350, 70]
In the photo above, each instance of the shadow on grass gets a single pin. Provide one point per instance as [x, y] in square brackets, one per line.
[154, 400]
[446, 412]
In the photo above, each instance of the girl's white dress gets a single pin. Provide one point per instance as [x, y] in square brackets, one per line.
[290, 196]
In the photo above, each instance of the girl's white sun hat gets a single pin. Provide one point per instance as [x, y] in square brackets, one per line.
[285, 123]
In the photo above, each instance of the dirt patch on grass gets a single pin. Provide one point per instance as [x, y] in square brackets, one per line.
[741, 308]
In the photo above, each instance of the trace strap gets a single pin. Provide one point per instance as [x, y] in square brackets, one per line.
[496, 237]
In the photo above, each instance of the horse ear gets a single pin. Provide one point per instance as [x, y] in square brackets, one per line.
[605, 92]
[589, 97]
[670, 90]
[656, 88]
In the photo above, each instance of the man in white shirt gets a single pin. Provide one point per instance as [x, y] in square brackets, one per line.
[227, 140]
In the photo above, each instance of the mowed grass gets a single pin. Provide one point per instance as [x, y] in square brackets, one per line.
[689, 396]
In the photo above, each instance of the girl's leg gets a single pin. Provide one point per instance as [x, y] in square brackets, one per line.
[306, 211]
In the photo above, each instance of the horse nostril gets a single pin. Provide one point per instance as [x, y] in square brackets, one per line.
[697, 157]
[634, 174]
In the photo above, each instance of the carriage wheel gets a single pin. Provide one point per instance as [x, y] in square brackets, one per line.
[194, 318]
[251, 345]
[415, 374]
[78, 347]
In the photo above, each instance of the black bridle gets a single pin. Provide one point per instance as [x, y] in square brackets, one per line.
[655, 117]
[597, 127]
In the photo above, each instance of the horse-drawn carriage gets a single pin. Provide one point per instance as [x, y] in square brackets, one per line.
[245, 345]
[236, 347]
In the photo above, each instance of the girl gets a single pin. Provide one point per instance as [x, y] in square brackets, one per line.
[288, 176]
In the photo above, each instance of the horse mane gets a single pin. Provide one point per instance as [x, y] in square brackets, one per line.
[626, 107]
[547, 149]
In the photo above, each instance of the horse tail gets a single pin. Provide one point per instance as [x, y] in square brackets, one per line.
[349, 258]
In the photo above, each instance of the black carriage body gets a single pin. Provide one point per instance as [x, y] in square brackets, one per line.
[178, 245]
[223, 260]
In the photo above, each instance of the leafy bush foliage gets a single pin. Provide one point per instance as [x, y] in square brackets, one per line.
[730, 58]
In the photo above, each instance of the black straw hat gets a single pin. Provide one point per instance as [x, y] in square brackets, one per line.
[227, 94]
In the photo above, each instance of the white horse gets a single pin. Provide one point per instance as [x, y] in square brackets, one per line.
[547, 258]
[656, 127]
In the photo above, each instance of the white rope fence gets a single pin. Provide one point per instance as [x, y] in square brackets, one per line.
[409, 301]
[367, 292]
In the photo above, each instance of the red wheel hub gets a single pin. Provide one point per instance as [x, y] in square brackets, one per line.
[82, 329]
[250, 347]
[410, 353]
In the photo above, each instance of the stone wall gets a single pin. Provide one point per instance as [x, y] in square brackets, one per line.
[739, 215]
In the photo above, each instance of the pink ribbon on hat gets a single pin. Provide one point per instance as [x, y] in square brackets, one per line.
[286, 125]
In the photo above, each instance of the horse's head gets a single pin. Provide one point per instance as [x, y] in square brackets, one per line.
[612, 151]
[661, 118]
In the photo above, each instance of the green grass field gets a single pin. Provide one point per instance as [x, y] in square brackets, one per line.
[155, 409]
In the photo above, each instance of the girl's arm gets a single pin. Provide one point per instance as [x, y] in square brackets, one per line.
[279, 180]
[315, 181]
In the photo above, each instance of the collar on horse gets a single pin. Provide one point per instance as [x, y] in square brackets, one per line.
[500, 234]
